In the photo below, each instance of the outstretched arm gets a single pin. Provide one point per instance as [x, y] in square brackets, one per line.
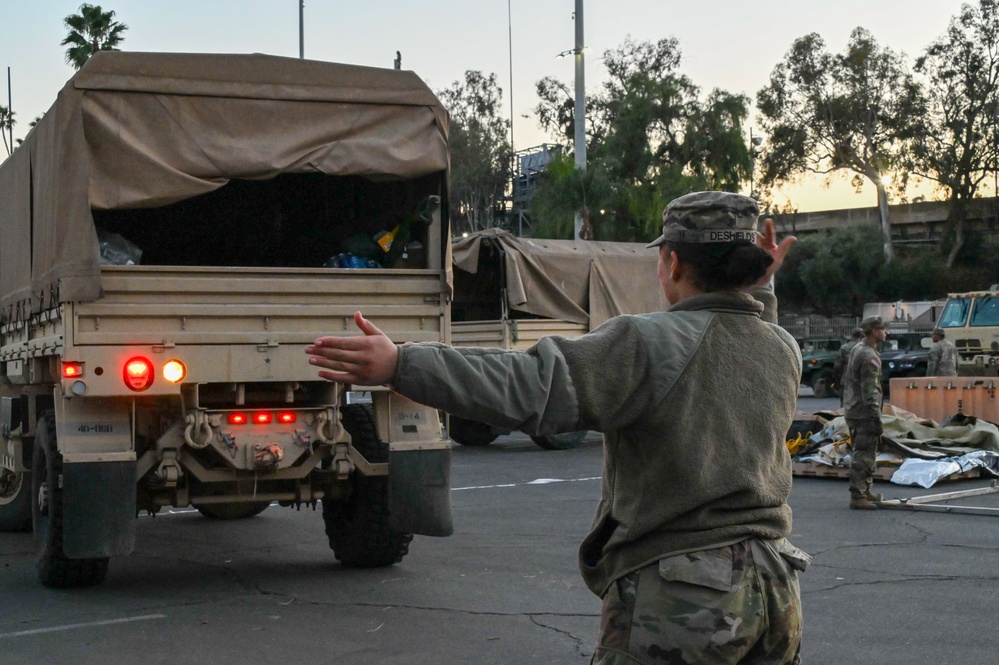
[368, 360]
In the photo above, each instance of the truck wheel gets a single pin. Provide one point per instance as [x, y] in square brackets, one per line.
[15, 501]
[358, 528]
[470, 432]
[820, 384]
[54, 568]
[232, 511]
[563, 441]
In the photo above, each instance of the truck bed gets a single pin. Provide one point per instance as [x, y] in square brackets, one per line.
[514, 334]
[224, 324]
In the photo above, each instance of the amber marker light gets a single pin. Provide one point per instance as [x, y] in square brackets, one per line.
[174, 371]
[72, 370]
[138, 374]
[262, 417]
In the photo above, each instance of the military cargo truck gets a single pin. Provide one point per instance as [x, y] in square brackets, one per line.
[971, 321]
[510, 292]
[174, 233]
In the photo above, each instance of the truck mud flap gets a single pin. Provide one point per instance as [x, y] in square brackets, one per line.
[98, 509]
[420, 492]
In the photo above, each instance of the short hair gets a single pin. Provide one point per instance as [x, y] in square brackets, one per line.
[856, 333]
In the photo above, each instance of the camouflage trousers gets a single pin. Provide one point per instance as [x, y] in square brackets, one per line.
[733, 604]
[865, 435]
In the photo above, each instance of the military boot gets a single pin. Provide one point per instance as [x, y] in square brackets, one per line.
[862, 503]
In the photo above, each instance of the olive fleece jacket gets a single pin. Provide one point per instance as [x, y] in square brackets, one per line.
[694, 404]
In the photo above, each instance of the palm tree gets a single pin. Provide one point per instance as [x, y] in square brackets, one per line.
[6, 124]
[90, 31]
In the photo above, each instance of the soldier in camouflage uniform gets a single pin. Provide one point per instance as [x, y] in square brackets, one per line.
[843, 359]
[942, 360]
[688, 548]
[862, 404]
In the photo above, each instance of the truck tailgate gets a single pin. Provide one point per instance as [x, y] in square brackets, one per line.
[183, 305]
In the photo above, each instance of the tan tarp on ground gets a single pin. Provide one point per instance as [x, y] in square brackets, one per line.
[135, 130]
[581, 281]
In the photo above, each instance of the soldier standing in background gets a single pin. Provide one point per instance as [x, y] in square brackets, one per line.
[843, 359]
[942, 360]
[862, 398]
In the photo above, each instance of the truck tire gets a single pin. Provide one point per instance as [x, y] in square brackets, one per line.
[232, 511]
[471, 432]
[563, 441]
[15, 501]
[358, 527]
[820, 383]
[54, 568]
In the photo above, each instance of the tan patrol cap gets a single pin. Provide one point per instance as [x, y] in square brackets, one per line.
[871, 323]
[709, 217]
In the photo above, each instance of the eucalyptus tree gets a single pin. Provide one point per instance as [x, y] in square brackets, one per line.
[480, 151]
[825, 112]
[959, 144]
[90, 31]
[650, 137]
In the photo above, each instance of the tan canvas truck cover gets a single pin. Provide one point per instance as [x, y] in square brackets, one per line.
[584, 282]
[143, 130]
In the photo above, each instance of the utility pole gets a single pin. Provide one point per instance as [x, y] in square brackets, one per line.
[10, 110]
[579, 115]
[513, 153]
[509, 24]
[301, 29]
[754, 143]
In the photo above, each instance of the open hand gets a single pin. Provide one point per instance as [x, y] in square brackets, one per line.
[767, 241]
[369, 360]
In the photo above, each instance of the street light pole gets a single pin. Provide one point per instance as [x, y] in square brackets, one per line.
[754, 143]
[301, 29]
[579, 114]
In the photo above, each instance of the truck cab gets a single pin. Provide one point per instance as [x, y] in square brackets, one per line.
[971, 321]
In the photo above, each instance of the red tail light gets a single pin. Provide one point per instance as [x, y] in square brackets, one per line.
[286, 417]
[237, 418]
[262, 417]
[138, 374]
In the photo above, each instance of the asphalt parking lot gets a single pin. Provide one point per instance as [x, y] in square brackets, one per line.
[885, 587]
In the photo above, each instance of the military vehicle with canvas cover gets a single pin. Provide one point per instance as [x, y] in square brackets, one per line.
[176, 229]
[510, 292]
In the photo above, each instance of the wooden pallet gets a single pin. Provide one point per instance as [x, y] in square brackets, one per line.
[816, 470]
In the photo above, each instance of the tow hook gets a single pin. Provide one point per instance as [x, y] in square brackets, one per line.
[169, 470]
[342, 464]
[268, 455]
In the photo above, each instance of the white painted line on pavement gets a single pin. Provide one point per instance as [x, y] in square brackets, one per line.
[537, 481]
[73, 626]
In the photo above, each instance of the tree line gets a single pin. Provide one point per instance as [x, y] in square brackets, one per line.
[653, 134]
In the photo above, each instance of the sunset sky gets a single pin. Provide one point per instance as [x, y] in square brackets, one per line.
[728, 44]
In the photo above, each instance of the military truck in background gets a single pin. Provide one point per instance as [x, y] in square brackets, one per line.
[818, 357]
[971, 321]
[176, 229]
[509, 292]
